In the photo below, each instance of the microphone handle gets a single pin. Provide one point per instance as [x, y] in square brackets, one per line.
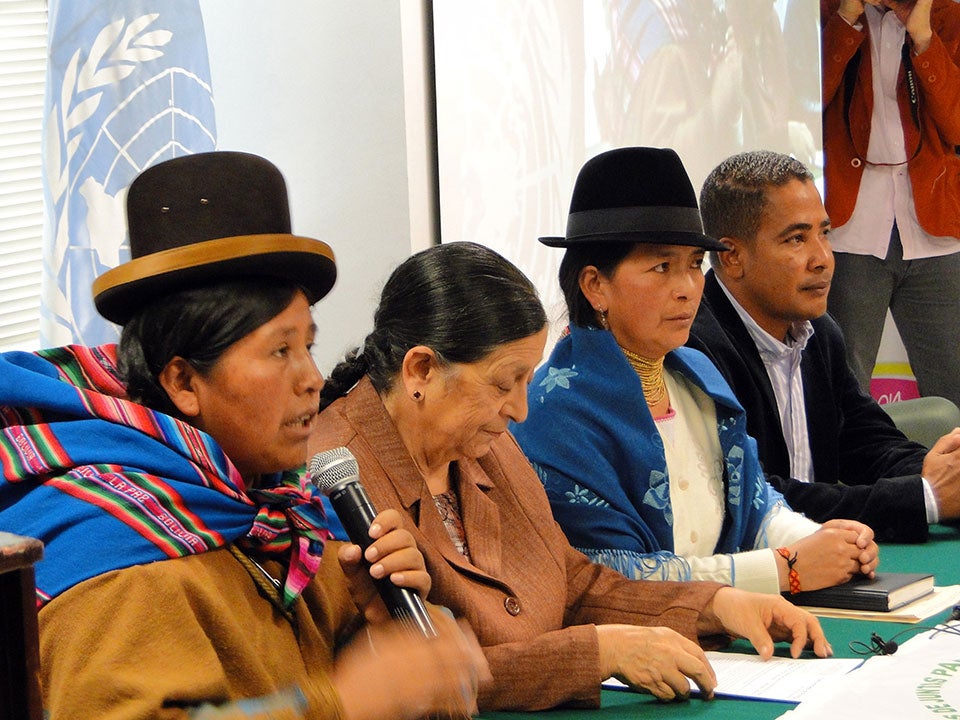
[356, 513]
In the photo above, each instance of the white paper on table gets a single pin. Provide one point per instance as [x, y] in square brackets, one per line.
[920, 609]
[779, 678]
[920, 681]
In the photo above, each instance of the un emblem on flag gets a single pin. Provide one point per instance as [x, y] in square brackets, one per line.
[128, 86]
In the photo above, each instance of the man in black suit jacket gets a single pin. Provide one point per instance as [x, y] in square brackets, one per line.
[828, 447]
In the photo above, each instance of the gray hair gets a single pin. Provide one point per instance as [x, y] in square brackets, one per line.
[461, 299]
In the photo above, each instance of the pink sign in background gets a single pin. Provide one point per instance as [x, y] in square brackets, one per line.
[892, 388]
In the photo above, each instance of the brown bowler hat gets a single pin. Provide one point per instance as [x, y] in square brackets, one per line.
[206, 217]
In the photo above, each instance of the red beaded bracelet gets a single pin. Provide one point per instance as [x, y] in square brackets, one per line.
[793, 576]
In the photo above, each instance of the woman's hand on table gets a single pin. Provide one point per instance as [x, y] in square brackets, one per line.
[656, 659]
[763, 620]
[838, 551]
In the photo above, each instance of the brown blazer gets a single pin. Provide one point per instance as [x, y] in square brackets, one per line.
[529, 596]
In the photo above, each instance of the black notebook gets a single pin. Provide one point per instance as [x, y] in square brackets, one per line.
[887, 591]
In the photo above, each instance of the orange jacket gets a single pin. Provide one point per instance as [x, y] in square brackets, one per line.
[935, 171]
[159, 639]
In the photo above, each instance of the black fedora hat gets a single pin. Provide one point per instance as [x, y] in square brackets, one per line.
[206, 217]
[634, 194]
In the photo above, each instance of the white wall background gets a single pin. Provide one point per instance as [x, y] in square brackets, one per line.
[528, 91]
[317, 88]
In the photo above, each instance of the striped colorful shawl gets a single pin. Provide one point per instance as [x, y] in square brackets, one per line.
[107, 483]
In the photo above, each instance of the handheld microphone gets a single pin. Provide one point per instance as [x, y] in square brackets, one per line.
[336, 475]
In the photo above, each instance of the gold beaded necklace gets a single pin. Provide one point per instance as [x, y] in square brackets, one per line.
[651, 376]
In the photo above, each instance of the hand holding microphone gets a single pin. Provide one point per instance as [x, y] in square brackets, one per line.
[336, 475]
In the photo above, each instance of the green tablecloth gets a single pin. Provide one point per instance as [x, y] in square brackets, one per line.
[940, 556]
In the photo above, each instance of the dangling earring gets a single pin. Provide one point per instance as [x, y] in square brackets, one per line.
[603, 319]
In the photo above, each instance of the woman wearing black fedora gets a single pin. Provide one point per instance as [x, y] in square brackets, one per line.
[182, 570]
[640, 443]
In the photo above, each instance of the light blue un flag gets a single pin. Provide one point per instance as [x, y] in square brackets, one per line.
[128, 85]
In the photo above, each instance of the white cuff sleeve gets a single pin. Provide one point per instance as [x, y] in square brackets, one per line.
[930, 502]
[756, 570]
[785, 526]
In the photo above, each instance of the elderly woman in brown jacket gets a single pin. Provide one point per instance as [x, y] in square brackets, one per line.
[424, 407]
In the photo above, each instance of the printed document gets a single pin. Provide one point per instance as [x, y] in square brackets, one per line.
[920, 681]
[779, 678]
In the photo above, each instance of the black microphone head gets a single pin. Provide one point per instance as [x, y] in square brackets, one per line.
[883, 647]
[330, 468]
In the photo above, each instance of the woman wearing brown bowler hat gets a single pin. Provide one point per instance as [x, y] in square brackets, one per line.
[183, 570]
[640, 443]
[424, 406]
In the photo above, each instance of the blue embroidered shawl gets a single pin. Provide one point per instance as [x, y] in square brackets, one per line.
[594, 444]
